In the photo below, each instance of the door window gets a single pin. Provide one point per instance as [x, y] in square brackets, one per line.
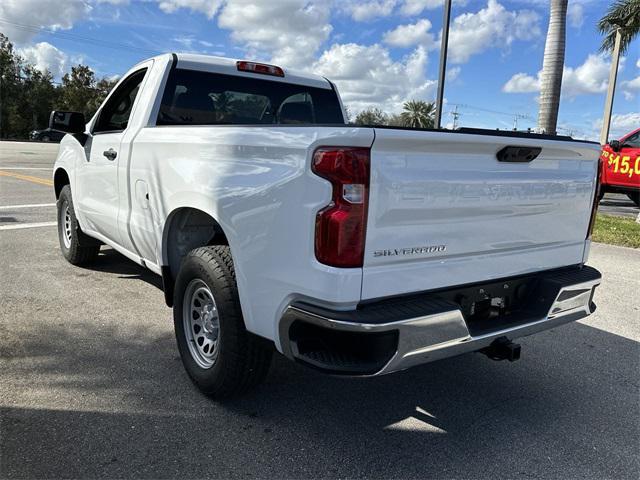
[114, 116]
[633, 141]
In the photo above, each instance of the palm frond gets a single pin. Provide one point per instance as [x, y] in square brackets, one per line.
[622, 14]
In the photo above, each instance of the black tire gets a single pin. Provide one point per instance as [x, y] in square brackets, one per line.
[77, 248]
[242, 359]
[46, 138]
[635, 198]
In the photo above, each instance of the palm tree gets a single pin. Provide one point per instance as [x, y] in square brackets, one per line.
[619, 26]
[623, 15]
[418, 114]
[552, 67]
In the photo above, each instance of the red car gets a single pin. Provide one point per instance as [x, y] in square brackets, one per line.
[621, 167]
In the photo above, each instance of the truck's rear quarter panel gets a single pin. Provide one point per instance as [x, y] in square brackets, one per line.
[256, 182]
[496, 219]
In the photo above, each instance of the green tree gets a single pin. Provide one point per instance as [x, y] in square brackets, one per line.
[100, 92]
[78, 91]
[552, 68]
[27, 94]
[10, 67]
[35, 100]
[372, 116]
[418, 114]
[622, 14]
[396, 120]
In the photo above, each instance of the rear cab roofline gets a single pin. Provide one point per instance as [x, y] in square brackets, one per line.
[228, 66]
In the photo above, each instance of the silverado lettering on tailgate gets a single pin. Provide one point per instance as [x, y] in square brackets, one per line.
[410, 251]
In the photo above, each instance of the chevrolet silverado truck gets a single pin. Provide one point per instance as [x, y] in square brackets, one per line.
[621, 167]
[352, 250]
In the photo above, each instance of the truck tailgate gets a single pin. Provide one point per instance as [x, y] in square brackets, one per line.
[444, 211]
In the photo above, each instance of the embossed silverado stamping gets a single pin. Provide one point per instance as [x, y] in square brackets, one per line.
[410, 251]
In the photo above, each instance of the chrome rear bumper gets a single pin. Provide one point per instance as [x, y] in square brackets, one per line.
[440, 331]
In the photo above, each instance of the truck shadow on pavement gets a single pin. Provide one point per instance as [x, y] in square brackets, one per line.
[110, 261]
[117, 403]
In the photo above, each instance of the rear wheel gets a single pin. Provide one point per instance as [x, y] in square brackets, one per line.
[635, 198]
[76, 247]
[221, 357]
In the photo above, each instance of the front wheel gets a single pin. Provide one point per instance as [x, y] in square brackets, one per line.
[221, 357]
[76, 247]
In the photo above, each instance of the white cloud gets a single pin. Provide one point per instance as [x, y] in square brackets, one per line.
[630, 87]
[290, 31]
[364, 11]
[632, 84]
[591, 77]
[412, 34]
[621, 124]
[453, 73]
[522, 83]
[208, 7]
[415, 7]
[411, 8]
[575, 14]
[492, 27]
[20, 16]
[45, 57]
[367, 76]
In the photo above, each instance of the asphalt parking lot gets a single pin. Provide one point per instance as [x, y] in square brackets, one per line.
[618, 205]
[91, 385]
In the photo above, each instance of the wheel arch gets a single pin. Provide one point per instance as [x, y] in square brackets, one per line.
[60, 179]
[186, 228]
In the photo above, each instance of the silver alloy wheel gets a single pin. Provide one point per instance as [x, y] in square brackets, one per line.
[65, 220]
[201, 323]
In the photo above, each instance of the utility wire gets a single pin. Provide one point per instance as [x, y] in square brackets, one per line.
[466, 105]
[78, 38]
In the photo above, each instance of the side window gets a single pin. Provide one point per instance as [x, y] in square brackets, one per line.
[633, 141]
[115, 114]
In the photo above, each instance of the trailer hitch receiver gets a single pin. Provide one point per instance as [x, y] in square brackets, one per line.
[502, 349]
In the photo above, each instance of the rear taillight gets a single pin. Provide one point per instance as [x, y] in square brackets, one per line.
[341, 225]
[596, 199]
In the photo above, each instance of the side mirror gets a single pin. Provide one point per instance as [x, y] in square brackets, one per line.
[615, 145]
[69, 122]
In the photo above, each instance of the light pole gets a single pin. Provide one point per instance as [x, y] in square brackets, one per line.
[613, 75]
[443, 63]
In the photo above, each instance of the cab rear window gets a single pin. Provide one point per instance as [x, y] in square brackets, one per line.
[193, 97]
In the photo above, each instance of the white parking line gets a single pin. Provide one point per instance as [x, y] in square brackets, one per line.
[19, 226]
[33, 205]
[26, 168]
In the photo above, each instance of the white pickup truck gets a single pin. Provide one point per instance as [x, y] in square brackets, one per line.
[353, 250]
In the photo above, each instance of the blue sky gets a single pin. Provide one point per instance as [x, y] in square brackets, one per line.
[379, 52]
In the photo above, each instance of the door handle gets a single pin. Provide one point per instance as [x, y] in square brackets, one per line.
[518, 154]
[111, 154]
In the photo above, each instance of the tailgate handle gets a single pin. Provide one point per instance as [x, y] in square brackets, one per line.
[518, 154]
